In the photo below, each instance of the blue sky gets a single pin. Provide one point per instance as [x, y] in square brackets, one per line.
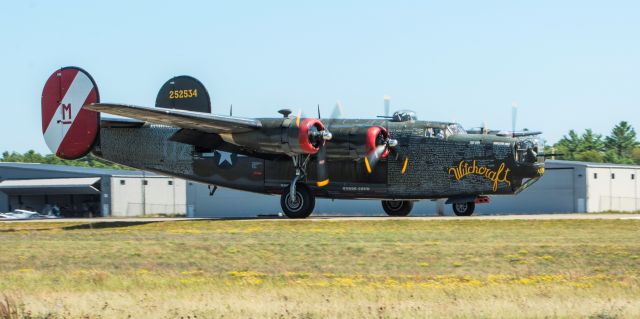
[568, 64]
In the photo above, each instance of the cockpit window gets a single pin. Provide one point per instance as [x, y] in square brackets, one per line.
[456, 129]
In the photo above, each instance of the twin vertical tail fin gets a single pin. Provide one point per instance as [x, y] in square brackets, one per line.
[184, 93]
[69, 131]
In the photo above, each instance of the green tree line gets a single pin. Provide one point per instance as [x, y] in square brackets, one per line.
[35, 157]
[620, 146]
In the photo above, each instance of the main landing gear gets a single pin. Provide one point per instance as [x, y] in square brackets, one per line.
[397, 207]
[296, 200]
[300, 205]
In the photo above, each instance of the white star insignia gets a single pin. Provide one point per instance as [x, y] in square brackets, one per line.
[224, 157]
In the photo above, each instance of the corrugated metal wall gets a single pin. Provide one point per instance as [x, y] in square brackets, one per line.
[161, 195]
[612, 188]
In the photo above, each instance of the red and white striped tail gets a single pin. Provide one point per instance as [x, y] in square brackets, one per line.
[69, 130]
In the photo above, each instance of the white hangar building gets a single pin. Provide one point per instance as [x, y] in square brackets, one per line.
[566, 187]
[87, 192]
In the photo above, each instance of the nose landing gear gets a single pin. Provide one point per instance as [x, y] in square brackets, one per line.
[397, 207]
[464, 206]
[464, 209]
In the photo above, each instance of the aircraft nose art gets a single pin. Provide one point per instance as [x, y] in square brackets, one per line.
[68, 130]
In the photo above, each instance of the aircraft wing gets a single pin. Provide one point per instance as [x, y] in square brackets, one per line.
[180, 118]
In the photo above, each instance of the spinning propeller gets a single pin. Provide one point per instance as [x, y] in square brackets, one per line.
[323, 171]
[318, 136]
[384, 145]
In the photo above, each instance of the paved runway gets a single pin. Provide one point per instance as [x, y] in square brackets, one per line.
[367, 218]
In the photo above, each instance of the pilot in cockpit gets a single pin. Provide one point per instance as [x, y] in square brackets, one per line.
[434, 133]
[429, 132]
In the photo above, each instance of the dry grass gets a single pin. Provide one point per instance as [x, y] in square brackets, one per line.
[8, 308]
[317, 269]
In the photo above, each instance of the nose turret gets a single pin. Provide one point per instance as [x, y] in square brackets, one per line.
[529, 150]
[529, 155]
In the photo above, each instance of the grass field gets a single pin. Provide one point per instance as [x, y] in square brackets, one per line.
[322, 268]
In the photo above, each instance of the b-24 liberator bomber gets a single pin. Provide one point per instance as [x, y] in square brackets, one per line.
[396, 159]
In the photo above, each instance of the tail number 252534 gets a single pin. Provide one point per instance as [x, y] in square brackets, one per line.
[183, 94]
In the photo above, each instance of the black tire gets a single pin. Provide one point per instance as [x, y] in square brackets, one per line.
[464, 209]
[397, 208]
[304, 205]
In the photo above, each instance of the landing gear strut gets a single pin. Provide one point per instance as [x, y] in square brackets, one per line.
[397, 207]
[297, 201]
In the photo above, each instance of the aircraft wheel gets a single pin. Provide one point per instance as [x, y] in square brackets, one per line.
[397, 207]
[464, 209]
[302, 207]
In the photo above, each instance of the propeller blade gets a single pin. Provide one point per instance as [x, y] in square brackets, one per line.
[336, 113]
[404, 165]
[298, 117]
[387, 104]
[405, 159]
[323, 174]
[337, 110]
[373, 157]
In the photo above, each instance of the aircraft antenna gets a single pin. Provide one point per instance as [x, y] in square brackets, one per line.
[319, 111]
[514, 114]
[231, 110]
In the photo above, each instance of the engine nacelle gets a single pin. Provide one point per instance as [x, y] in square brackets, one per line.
[356, 142]
[293, 136]
[305, 137]
[288, 136]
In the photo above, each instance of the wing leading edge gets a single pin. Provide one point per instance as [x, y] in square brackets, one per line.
[184, 119]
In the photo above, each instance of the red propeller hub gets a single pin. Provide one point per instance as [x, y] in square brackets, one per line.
[308, 143]
[376, 136]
